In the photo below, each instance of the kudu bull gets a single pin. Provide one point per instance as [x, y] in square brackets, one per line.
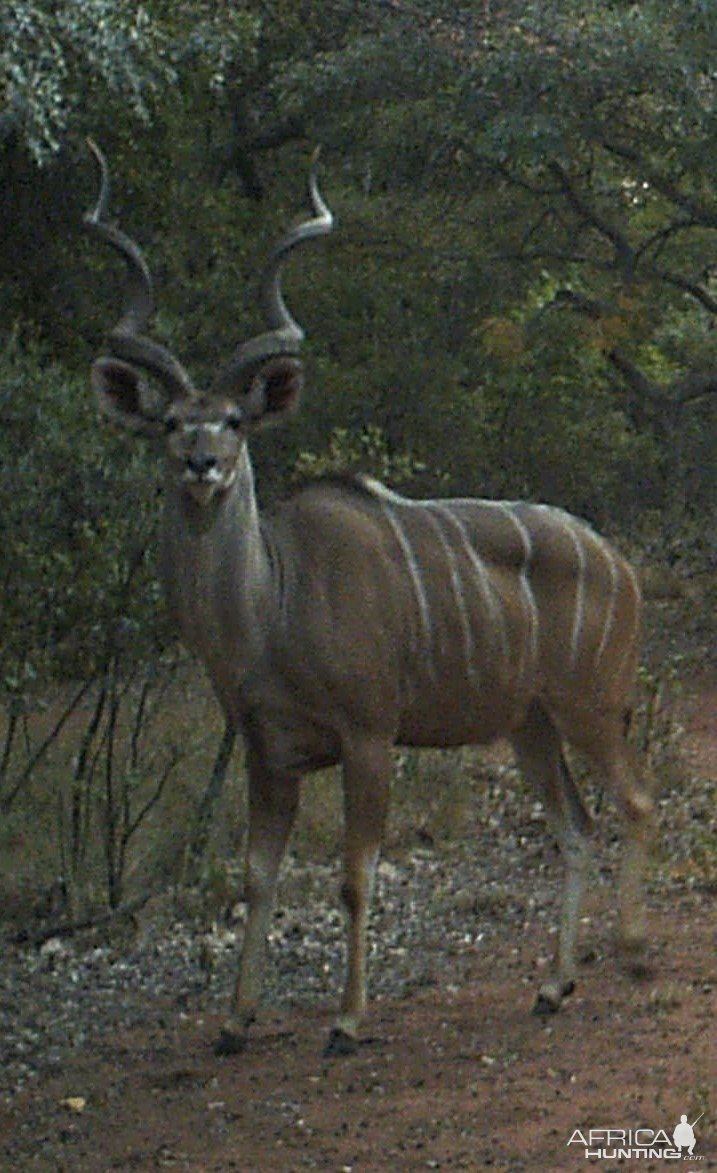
[353, 620]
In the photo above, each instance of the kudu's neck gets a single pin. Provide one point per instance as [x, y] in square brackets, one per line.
[218, 575]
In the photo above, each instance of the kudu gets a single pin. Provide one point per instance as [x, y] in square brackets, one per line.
[354, 620]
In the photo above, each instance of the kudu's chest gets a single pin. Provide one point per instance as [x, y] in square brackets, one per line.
[213, 597]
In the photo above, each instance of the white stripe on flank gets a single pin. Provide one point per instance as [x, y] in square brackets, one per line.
[577, 532]
[530, 652]
[579, 613]
[610, 613]
[458, 594]
[580, 533]
[414, 571]
[630, 643]
[491, 597]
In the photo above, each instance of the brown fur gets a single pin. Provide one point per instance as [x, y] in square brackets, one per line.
[353, 620]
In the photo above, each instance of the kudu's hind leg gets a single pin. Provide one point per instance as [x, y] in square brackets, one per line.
[538, 750]
[367, 777]
[613, 757]
[273, 802]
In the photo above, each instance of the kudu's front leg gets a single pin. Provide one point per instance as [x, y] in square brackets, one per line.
[367, 777]
[273, 802]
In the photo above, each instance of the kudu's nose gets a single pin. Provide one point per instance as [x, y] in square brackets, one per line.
[201, 463]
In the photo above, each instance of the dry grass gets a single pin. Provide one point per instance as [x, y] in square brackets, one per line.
[437, 797]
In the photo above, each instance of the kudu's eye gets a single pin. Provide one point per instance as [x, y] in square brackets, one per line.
[234, 421]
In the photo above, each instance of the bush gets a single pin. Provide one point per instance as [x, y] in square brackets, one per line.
[78, 518]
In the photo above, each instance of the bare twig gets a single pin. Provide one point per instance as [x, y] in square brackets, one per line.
[42, 749]
[209, 800]
[624, 252]
[67, 928]
[703, 213]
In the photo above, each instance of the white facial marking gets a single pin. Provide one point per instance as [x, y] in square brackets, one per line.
[212, 476]
[212, 429]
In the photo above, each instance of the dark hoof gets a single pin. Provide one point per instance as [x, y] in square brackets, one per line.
[638, 968]
[549, 999]
[543, 1006]
[588, 956]
[632, 956]
[229, 1043]
[340, 1043]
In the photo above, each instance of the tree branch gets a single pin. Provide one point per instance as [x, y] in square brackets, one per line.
[696, 209]
[694, 289]
[623, 250]
[694, 387]
[665, 401]
[648, 390]
[656, 241]
[68, 928]
[670, 399]
[11, 119]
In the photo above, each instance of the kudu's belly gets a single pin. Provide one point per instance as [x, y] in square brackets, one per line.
[452, 710]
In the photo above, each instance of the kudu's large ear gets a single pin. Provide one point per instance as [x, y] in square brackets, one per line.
[122, 395]
[273, 391]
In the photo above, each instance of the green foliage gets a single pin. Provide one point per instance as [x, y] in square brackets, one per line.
[51, 51]
[57, 59]
[77, 520]
[366, 452]
[553, 428]
[517, 299]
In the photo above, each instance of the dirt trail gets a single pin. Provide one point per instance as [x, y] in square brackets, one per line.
[455, 1072]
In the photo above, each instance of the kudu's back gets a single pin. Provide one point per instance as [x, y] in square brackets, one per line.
[439, 622]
